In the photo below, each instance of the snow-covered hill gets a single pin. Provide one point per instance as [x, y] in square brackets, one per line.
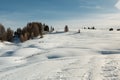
[89, 55]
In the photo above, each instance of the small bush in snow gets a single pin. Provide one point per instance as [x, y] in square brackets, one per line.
[93, 28]
[118, 29]
[111, 29]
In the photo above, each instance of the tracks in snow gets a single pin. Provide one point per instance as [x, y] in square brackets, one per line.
[111, 69]
[96, 68]
[88, 69]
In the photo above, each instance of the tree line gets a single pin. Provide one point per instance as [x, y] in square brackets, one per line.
[31, 30]
[6, 35]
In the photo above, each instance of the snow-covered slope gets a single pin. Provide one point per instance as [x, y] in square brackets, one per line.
[89, 55]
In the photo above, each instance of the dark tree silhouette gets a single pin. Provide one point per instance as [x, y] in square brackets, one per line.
[79, 31]
[84, 27]
[118, 29]
[52, 29]
[9, 35]
[4, 37]
[111, 29]
[2, 31]
[46, 28]
[40, 26]
[66, 29]
[19, 32]
[25, 36]
[34, 29]
[32, 35]
[93, 28]
[88, 27]
[22, 38]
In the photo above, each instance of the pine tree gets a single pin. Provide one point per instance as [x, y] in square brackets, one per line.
[79, 31]
[46, 28]
[35, 30]
[9, 35]
[22, 38]
[66, 29]
[19, 32]
[32, 35]
[4, 37]
[2, 31]
[40, 26]
[25, 36]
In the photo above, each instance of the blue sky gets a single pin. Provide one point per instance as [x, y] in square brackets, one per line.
[16, 13]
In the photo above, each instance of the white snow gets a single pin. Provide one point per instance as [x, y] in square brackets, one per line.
[89, 55]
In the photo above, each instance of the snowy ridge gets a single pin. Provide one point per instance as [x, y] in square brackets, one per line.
[89, 55]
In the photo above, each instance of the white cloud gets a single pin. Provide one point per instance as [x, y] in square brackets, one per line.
[117, 5]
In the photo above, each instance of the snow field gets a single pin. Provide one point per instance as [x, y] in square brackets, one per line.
[90, 55]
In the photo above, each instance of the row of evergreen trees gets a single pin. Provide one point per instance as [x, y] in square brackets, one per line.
[30, 31]
[6, 35]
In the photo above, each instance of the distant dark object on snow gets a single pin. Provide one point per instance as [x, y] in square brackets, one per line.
[111, 29]
[66, 28]
[52, 29]
[79, 31]
[92, 28]
[118, 29]
[46, 28]
[84, 27]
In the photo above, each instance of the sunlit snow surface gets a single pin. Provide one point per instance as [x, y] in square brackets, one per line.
[89, 55]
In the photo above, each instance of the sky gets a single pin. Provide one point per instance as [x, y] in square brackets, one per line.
[57, 13]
